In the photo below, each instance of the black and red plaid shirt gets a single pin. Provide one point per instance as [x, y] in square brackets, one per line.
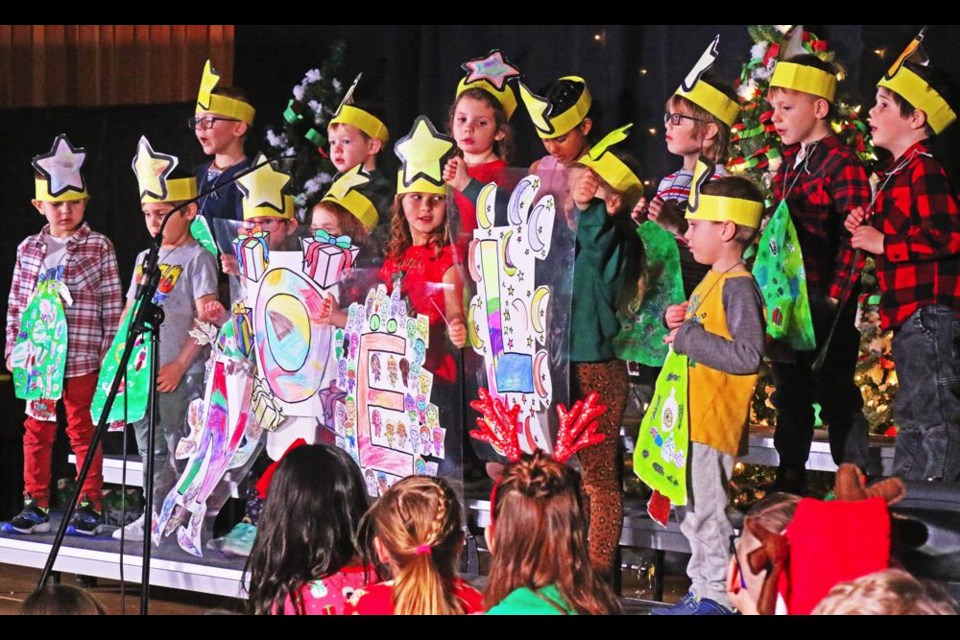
[917, 212]
[826, 186]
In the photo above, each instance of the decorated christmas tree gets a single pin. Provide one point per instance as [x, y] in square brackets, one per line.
[303, 136]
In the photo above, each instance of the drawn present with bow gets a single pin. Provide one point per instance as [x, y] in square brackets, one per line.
[253, 254]
[327, 257]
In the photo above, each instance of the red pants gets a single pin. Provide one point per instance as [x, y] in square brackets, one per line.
[39, 437]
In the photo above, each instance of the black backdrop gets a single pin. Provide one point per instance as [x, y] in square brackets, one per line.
[413, 69]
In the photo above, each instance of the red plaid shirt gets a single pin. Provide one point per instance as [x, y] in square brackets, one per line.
[918, 215]
[90, 273]
[829, 184]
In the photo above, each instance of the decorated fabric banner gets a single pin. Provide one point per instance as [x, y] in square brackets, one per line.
[253, 254]
[660, 458]
[326, 258]
[385, 419]
[642, 339]
[39, 358]
[780, 274]
[135, 388]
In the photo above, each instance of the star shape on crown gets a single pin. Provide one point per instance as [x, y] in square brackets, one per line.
[61, 166]
[264, 185]
[422, 152]
[152, 169]
[493, 68]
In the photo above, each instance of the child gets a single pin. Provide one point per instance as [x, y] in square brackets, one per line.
[538, 543]
[417, 531]
[721, 331]
[697, 122]
[305, 559]
[915, 238]
[85, 263]
[563, 123]
[221, 122]
[188, 282]
[605, 192]
[480, 123]
[821, 180]
[61, 600]
[892, 592]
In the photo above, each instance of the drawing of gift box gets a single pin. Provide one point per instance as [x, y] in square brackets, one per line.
[253, 254]
[326, 257]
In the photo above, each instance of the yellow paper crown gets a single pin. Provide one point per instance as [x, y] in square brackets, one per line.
[609, 167]
[708, 97]
[917, 91]
[719, 208]
[551, 125]
[492, 74]
[346, 191]
[801, 77]
[356, 117]
[153, 171]
[59, 178]
[423, 153]
[209, 102]
[262, 191]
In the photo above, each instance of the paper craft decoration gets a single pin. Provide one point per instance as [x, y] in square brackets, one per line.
[386, 421]
[423, 152]
[347, 191]
[800, 77]
[60, 178]
[507, 319]
[641, 339]
[356, 117]
[553, 125]
[609, 167]
[253, 252]
[211, 103]
[706, 96]
[223, 437]
[492, 73]
[39, 358]
[780, 274]
[262, 191]
[660, 458]
[135, 387]
[915, 89]
[326, 258]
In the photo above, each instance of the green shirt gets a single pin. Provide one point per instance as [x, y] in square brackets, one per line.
[527, 602]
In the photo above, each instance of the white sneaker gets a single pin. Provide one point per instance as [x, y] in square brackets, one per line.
[132, 532]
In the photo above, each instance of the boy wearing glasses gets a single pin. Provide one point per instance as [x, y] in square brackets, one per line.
[222, 119]
[821, 180]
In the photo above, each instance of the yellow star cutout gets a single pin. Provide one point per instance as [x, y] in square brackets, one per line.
[152, 170]
[264, 185]
[348, 182]
[208, 81]
[538, 109]
[422, 152]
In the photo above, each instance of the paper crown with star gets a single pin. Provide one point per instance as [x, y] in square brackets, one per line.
[492, 74]
[609, 167]
[357, 117]
[802, 77]
[262, 190]
[423, 153]
[911, 87]
[58, 176]
[716, 208]
[347, 191]
[705, 95]
[553, 125]
[211, 103]
[153, 171]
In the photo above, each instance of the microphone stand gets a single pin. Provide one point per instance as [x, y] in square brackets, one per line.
[148, 318]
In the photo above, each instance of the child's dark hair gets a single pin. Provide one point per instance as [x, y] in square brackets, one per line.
[503, 148]
[400, 238]
[309, 526]
[736, 187]
[717, 152]
[774, 512]
[61, 599]
[540, 537]
[939, 81]
[563, 94]
[419, 523]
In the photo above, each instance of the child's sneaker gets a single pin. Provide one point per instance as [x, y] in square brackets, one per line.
[691, 605]
[33, 519]
[132, 531]
[86, 520]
